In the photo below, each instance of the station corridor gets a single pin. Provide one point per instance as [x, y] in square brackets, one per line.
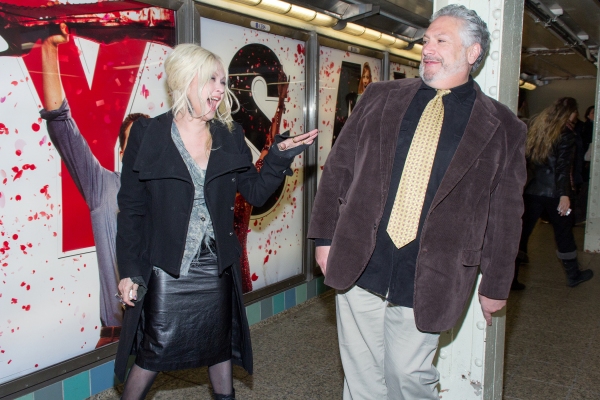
[552, 342]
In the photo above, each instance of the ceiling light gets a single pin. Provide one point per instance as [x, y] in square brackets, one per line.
[354, 29]
[324, 20]
[280, 7]
[301, 13]
[556, 10]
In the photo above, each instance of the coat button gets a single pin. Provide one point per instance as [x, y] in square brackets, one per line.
[202, 219]
[230, 233]
[231, 208]
[374, 226]
[232, 179]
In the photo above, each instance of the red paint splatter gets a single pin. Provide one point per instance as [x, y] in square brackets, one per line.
[82, 329]
[254, 277]
[9, 361]
[23, 284]
[145, 92]
[35, 127]
[5, 247]
[31, 167]
[15, 236]
[44, 191]
[301, 49]
[27, 307]
[14, 83]
[18, 152]
[36, 365]
[3, 129]
[266, 260]
[18, 197]
[13, 301]
[159, 76]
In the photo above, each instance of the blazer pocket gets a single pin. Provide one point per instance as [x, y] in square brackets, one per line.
[471, 258]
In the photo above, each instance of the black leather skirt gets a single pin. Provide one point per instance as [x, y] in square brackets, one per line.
[187, 319]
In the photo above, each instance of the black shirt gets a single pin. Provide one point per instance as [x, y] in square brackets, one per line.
[391, 271]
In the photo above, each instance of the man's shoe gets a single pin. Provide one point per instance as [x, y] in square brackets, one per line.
[516, 285]
[108, 335]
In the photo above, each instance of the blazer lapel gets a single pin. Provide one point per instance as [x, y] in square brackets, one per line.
[480, 129]
[391, 119]
[158, 157]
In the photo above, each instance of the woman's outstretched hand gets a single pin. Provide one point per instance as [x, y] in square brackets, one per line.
[298, 140]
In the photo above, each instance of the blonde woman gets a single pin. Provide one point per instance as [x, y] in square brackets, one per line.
[177, 252]
[550, 149]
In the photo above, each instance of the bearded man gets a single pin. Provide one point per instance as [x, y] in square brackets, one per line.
[422, 190]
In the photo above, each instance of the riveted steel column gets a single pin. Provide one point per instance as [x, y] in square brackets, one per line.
[385, 68]
[188, 23]
[310, 161]
[471, 356]
[592, 226]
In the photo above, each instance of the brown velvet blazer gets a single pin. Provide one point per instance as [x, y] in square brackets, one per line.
[474, 221]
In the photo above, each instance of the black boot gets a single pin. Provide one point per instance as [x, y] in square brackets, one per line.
[516, 285]
[575, 276]
[225, 396]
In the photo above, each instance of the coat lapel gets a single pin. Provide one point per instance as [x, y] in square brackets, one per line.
[391, 118]
[225, 156]
[480, 129]
[158, 157]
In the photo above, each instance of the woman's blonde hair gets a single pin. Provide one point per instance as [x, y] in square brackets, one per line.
[188, 61]
[546, 127]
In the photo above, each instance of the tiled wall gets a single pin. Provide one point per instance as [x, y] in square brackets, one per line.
[100, 378]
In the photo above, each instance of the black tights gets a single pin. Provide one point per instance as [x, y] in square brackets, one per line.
[140, 380]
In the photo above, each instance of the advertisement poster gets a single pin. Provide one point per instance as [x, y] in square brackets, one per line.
[400, 71]
[58, 187]
[343, 76]
[266, 74]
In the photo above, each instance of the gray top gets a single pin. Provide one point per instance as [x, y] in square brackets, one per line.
[99, 187]
[200, 226]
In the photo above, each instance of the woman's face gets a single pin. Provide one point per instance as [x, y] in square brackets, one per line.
[591, 114]
[211, 96]
[573, 116]
[366, 78]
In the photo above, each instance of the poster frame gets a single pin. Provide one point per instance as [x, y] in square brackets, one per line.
[72, 366]
[310, 157]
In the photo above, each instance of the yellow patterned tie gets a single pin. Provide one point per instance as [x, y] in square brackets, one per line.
[406, 212]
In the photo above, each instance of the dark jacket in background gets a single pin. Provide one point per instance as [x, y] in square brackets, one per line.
[155, 202]
[553, 178]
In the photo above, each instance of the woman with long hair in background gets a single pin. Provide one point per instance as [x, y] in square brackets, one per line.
[549, 151]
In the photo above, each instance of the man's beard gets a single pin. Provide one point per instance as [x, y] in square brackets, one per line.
[445, 70]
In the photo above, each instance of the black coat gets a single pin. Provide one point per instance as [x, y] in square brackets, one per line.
[553, 178]
[155, 203]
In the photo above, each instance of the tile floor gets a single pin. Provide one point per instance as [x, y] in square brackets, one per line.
[552, 343]
[552, 337]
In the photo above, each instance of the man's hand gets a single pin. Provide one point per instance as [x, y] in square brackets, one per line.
[490, 306]
[55, 40]
[53, 92]
[321, 255]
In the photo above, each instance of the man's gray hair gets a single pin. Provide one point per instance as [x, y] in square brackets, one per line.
[474, 30]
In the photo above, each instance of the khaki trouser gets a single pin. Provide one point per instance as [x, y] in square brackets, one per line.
[383, 353]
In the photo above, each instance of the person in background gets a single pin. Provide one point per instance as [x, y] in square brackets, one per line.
[98, 185]
[365, 80]
[177, 253]
[550, 150]
[404, 219]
